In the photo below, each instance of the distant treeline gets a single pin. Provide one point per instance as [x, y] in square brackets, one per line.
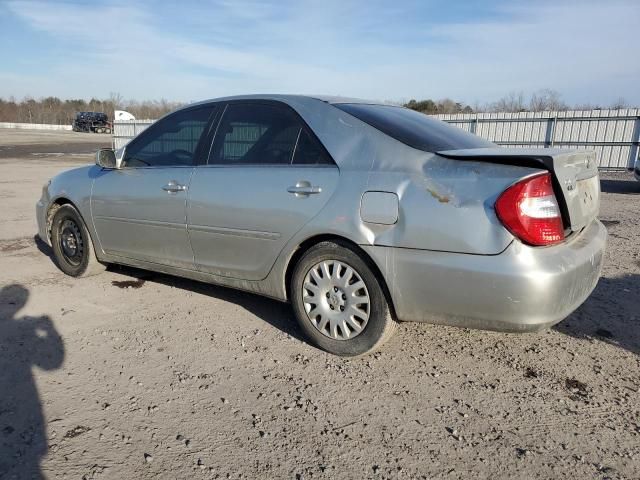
[62, 112]
[53, 110]
[540, 101]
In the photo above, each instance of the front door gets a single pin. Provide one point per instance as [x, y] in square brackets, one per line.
[139, 209]
[267, 177]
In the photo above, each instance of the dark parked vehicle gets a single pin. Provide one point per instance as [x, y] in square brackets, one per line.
[96, 122]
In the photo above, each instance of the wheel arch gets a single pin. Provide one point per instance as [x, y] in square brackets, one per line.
[304, 246]
[54, 206]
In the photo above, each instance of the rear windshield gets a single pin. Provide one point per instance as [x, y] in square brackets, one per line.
[414, 128]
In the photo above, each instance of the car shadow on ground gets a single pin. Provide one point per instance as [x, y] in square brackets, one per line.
[630, 186]
[275, 313]
[25, 342]
[611, 314]
[43, 247]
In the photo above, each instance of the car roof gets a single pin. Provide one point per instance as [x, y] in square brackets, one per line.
[335, 128]
[331, 99]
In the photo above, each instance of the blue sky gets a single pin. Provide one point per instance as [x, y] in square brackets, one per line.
[472, 51]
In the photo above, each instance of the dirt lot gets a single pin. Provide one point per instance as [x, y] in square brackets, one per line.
[139, 375]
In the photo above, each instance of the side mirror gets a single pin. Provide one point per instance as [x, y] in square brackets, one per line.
[106, 158]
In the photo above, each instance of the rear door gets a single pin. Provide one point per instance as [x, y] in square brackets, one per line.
[139, 210]
[266, 177]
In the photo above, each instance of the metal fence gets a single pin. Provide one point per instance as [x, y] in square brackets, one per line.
[34, 126]
[125, 130]
[613, 134]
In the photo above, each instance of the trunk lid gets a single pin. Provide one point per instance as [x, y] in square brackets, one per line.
[575, 173]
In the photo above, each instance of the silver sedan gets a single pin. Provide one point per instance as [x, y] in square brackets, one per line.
[359, 214]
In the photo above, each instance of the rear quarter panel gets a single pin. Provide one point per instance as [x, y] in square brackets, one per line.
[447, 206]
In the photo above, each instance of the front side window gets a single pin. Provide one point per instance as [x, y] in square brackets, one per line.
[170, 142]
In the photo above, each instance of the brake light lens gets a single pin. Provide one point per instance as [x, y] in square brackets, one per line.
[529, 209]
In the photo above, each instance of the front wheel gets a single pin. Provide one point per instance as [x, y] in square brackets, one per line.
[338, 301]
[72, 246]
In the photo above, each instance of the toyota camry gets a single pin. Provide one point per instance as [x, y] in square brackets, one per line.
[359, 214]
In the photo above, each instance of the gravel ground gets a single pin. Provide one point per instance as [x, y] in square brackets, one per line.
[133, 374]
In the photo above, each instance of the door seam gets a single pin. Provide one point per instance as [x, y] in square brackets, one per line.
[187, 202]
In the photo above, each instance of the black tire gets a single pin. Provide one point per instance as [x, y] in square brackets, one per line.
[72, 245]
[380, 325]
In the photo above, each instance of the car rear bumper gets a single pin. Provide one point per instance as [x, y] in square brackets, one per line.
[522, 289]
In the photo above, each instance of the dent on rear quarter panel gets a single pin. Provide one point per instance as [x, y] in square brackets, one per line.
[448, 205]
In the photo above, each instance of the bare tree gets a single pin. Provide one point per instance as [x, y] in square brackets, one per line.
[114, 103]
[512, 102]
[619, 103]
[546, 100]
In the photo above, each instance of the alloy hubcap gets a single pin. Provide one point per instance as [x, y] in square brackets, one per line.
[336, 300]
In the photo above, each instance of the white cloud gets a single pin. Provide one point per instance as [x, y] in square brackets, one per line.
[585, 50]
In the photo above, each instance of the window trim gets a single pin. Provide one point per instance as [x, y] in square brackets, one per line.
[197, 153]
[274, 103]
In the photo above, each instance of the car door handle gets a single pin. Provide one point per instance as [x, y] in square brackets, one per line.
[174, 187]
[304, 189]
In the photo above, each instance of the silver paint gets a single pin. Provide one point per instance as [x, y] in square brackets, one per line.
[379, 207]
[446, 258]
[336, 300]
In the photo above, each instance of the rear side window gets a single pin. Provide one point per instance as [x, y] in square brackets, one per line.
[414, 128]
[171, 141]
[309, 151]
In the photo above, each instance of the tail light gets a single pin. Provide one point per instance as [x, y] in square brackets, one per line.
[529, 209]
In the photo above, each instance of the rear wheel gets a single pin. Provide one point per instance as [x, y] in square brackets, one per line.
[338, 301]
[72, 246]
